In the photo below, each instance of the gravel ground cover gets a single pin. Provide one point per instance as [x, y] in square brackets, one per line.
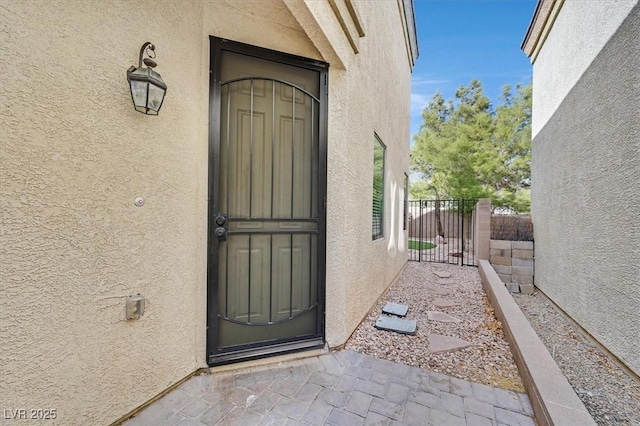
[487, 360]
[610, 395]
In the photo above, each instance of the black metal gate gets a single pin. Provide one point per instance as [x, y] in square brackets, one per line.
[442, 231]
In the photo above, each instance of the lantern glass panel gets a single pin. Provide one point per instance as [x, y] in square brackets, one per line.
[156, 94]
[139, 93]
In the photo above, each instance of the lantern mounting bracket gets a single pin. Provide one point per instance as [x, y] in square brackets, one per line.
[150, 50]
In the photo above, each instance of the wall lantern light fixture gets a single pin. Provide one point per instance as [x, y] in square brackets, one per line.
[147, 87]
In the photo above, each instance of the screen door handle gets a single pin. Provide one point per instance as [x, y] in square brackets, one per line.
[221, 227]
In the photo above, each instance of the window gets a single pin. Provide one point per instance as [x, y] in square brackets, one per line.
[377, 213]
[406, 202]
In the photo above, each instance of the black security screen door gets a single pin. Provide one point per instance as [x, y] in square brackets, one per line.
[266, 211]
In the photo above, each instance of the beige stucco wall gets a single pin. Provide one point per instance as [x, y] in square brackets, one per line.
[359, 269]
[580, 31]
[74, 155]
[586, 182]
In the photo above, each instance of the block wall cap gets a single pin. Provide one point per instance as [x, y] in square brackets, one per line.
[552, 397]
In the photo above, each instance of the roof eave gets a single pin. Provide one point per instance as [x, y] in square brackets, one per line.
[543, 18]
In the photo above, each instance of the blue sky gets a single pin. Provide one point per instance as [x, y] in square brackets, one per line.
[464, 39]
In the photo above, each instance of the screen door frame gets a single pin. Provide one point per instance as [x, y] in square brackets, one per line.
[215, 355]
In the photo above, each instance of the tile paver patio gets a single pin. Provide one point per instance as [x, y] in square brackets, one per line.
[339, 388]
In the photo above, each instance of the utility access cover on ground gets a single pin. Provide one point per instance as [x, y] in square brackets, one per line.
[398, 325]
[395, 309]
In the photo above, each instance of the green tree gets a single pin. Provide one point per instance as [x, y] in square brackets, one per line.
[512, 139]
[465, 149]
[420, 190]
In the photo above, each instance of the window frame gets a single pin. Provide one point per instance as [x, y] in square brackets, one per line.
[405, 222]
[378, 228]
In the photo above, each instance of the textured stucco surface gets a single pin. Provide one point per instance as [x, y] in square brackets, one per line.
[580, 31]
[586, 197]
[74, 155]
[375, 99]
[361, 95]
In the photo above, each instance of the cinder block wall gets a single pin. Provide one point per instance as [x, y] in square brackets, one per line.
[513, 260]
